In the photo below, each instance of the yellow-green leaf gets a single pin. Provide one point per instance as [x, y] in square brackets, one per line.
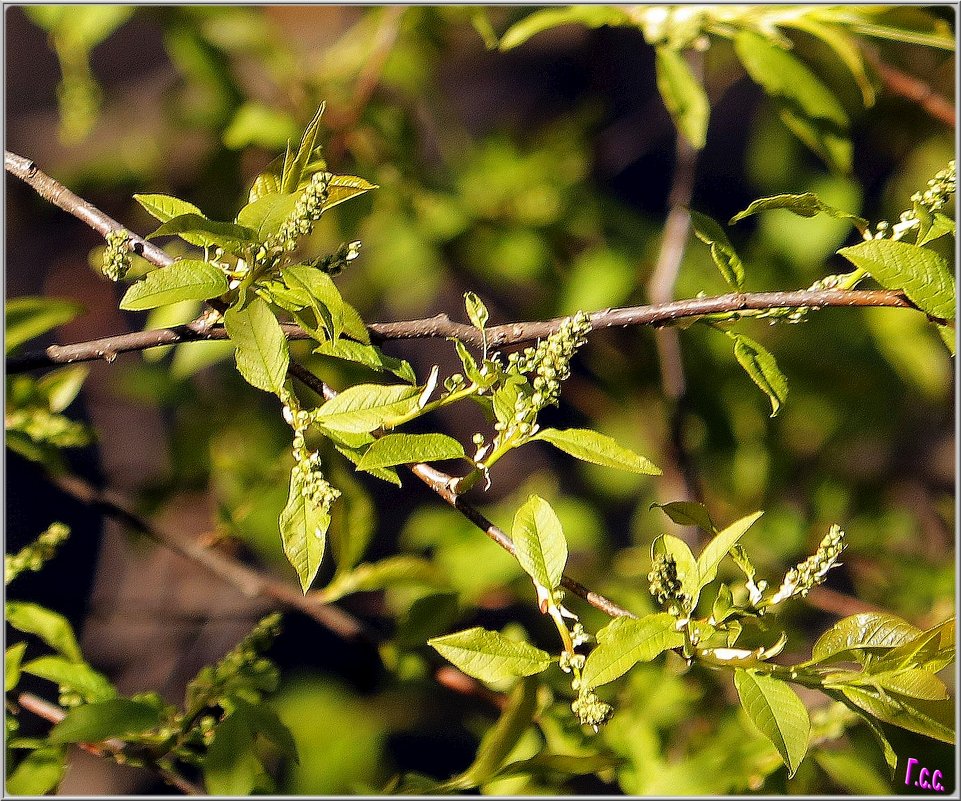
[683, 95]
[261, 347]
[624, 642]
[188, 279]
[592, 446]
[489, 655]
[778, 714]
[539, 540]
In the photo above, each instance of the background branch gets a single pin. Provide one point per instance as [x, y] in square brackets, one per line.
[913, 89]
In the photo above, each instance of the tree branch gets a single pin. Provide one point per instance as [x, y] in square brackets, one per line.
[248, 581]
[498, 336]
[108, 748]
[913, 89]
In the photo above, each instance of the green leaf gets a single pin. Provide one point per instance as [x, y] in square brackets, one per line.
[367, 407]
[778, 714]
[323, 294]
[805, 205]
[932, 650]
[930, 718]
[188, 279]
[367, 355]
[38, 773]
[591, 16]
[941, 225]
[844, 46]
[224, 234]
[683, 95]
[76, 676]
[396, 449]
[62, 386]
[51, 627]
[231, 767]
[719, 547]
[806, 105]
[592, 446]
[167, 207]
[688, 513]
[547, 764]
[624, 642]
[117, 717]
[353, 446]
[294, 169]
[12, 658]
[29, 317]
[497, 744]
[722, 251]
[849, 770]
[345, 187]
[914, 682]
[476, 310]
[303, 530]
[489, 655]
[925, 277]
[866, 630]
[261, 347]
[762, 368]
[539, 540]
[390, 572]
[687, 571]
[267, 214]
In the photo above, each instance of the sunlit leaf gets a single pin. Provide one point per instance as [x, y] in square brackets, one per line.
[303, 531]
[367, 407]
[539, 540]
[29, 317]
[866, 630]
[722, 251]
[624, 642]
[51, 627]
[397, 449]
[761, 366]
[683, 95]
[778, 714]
[117, 717]
[187, 279]
[489, 655]
[804, 205]
[261, 347]
[592, 446]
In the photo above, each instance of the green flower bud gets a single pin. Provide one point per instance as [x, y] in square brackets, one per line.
[116, 256]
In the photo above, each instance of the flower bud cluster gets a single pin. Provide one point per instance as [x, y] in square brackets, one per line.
[800, 580]
[590, 710]
[116, 256]
[665, 583]
[33, 556]
[335, 263]
[307, 473]
[549, 361]
[309, 208]
[940, 190]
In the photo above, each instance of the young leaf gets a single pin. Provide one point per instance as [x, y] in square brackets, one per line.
[29, 317]
[718, 548]
[476, 310]
[914, 683]
[294, 169]
[500, 740]
[117, 717]
[62, 386]
[762, 368]
[12, 658]
[890, 757]
[597, 448]
[51, 627]
[688, 513]
[353, 446]
[806, 205]
[303, 530]
[489, 655]
[390, 572]
[267, 214]
[866, 630]
[367, 407]
[322, 292]
[261, 347]
[722, 251]
[624, 642]
[932, 650]
[263, 720]
[76, 676]
[683, 95]
[345, 187]
[930, 718]
[778, 714]
[844, 46]
[395, 449]
[166, 207]
[591, 16]
[38, 773]
[188, 279]
[539, 540]
[367, 355]
[925, 277]
[224, 234]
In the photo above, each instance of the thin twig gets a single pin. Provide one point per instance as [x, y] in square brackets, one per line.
[248, 581]
[914, 89]
[107, 748]
[660, 289]
[498, 336]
